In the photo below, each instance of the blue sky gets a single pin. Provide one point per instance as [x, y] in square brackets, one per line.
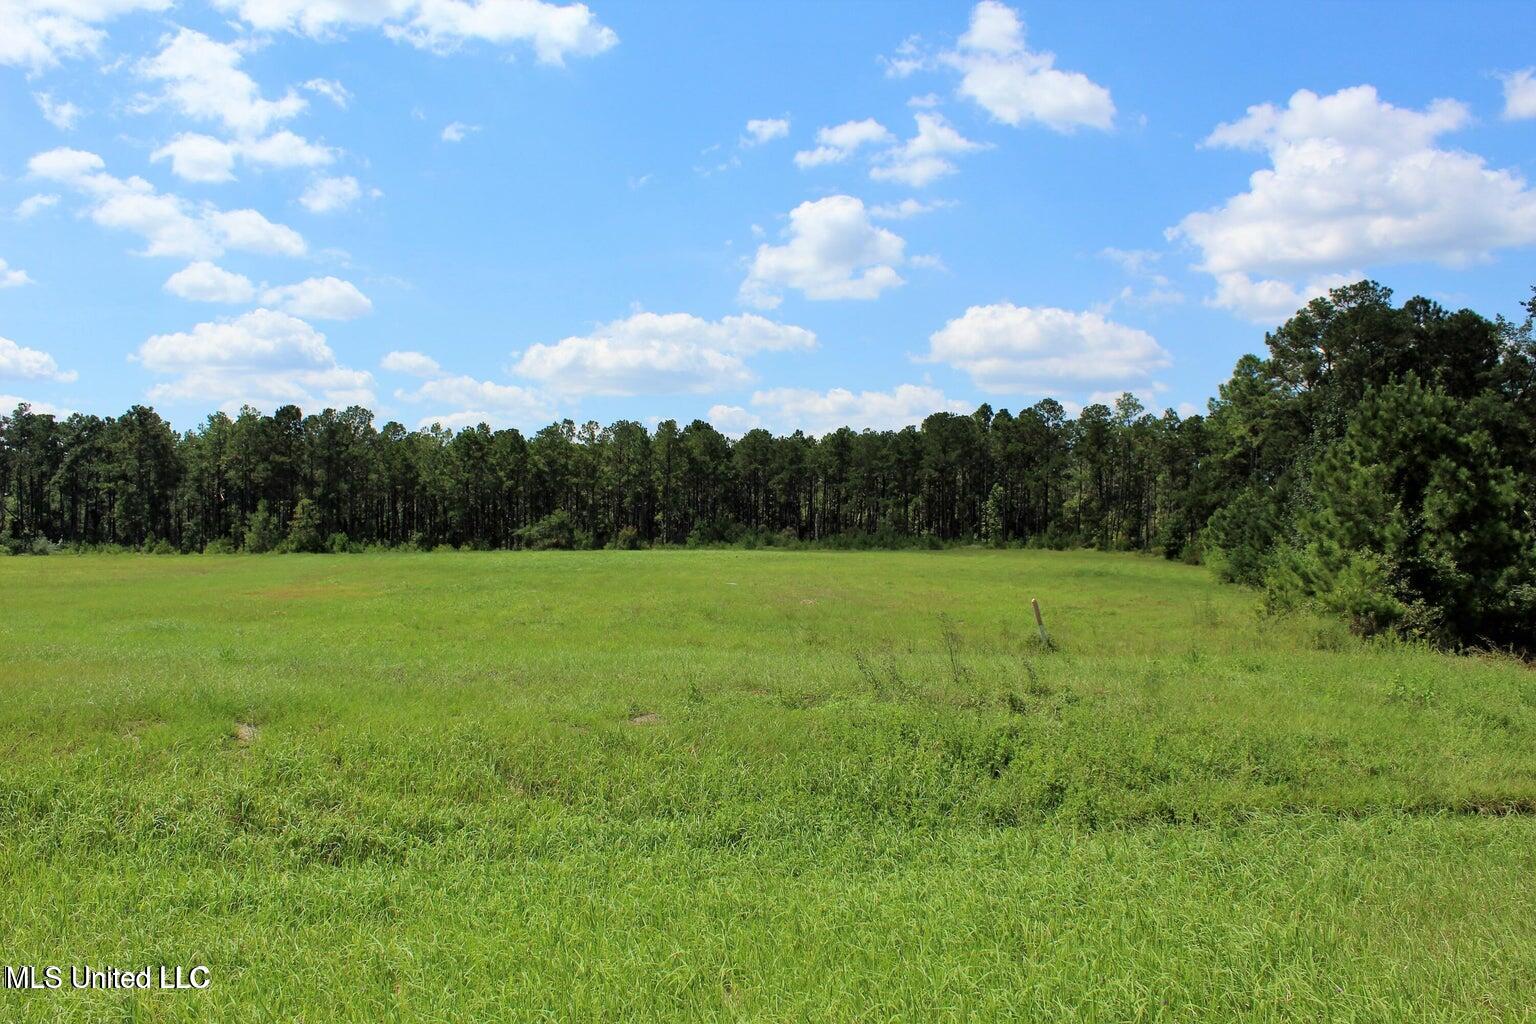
[794, 215]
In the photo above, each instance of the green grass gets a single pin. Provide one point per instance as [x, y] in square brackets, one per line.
[749, 786]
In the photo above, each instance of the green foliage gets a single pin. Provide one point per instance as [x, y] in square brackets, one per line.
[304, 528]
[553, 532]
[261, 531]
[1417, 523]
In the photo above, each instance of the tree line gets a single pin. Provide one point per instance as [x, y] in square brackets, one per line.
[1380, 462]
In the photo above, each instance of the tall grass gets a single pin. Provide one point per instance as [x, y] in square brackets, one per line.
[725, 785]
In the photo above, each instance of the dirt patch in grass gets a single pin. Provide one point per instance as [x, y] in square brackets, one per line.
[649, 718]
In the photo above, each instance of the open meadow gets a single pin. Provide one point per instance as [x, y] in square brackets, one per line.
[735, 785]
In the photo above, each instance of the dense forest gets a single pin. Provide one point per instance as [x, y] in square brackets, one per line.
[1380, 462]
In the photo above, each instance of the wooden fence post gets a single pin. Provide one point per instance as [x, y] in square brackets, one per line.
[1040, 622]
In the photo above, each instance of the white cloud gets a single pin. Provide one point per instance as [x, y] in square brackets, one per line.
[203, 281]
[832, 252]
[30, 364]
[249, 231]
[415, 364]
[264, 358]
[36, 34]
[1353, 181]
[732, 420]
[328, 195]
[908, 208]
[1270, 301]
[818, 412]
[458, 131]
[330, 89]
[203, 158]
[8, 404]
[200, 158]
[13, 277]
[473, 401]
[1023, 349]
[761, 130]
[1141, 264]
[61, 114]
[285, 149]
[554, 31]
[1015, 84]
[1520, 94]
[925, 156]
[169, 225]
[910, 58]
[652, 353]
[323, 298]
[837, 143]
[35, 204]
[202, 79]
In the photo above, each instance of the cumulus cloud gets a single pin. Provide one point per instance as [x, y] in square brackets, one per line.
[925, 156]
[1269, 301]
[1353, 182]
[1141, 264]
[169, 225]
[458, 131]
[818, 412]
[329, 195]
[1013, 83]
[17, 361]
[60, 113]
[832, 252]
[205, 159]
[466, 401]
[13, 277]
[330, 89]
[838, 142]
[263, 358]
[203, 281]
[908, 208]
[761, 130]
[37, 34]
[1022, 349]
[732, 420]
[9, 402]
[659, 353]
[321, 298]
[202, 79]
[554, 31]
[33, 205]
[1520, 94]
[414, 364]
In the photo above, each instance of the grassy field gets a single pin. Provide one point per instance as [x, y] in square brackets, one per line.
[749, 786]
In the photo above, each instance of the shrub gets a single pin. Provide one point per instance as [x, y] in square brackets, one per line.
[261, 531]
[220, 546]
[304, 529]
[553, 532]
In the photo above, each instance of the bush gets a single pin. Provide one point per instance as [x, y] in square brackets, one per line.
[261, 531]
[628, 539]
[304, 529]
[553, 532]
[220, 546]
[161, 547]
